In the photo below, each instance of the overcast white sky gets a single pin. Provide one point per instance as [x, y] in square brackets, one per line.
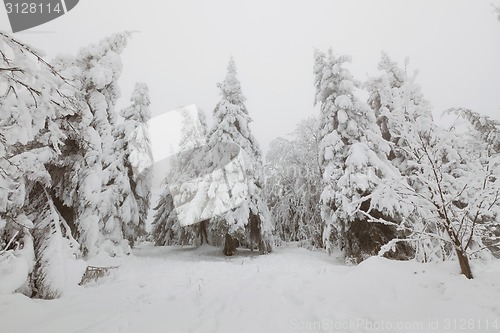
[183, 48]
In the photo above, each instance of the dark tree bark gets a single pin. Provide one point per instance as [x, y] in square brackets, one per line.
[464, 263]
[230, 245]
[463, 260]
[202, 231]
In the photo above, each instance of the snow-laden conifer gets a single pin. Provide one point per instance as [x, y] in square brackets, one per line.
[353, 158]
[250, 223]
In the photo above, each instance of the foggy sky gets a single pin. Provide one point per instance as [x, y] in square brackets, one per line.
[181, 49]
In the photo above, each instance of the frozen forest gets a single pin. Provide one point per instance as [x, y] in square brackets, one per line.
[370, 212]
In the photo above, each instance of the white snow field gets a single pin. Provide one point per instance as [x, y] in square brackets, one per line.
[174, 289]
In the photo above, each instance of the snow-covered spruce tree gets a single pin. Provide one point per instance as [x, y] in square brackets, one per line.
[293, 185]
[33, 97]
[250, 223]
[397, 101]
[189, 164]
[401, 111]
[185, 165]
[164, 230]
[353, 157]
[85, 188]
[133, 147]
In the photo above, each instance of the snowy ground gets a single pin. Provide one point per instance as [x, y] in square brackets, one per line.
[173, 289]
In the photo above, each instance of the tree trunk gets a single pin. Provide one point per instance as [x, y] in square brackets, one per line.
[461, 254]
[202, 231]
[230, 245]
[265, 247]
[464, 263]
